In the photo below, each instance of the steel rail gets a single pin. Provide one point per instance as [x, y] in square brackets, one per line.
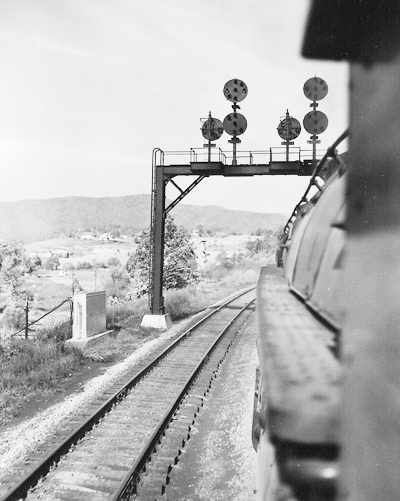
[128, 485]
[30, 480]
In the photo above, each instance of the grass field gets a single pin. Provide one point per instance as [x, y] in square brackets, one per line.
[40, 366]
[51, 287]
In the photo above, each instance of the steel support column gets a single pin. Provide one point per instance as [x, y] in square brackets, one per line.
[157, 242]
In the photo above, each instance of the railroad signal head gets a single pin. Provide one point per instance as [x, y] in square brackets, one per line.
[315, 122]
[235, 124]
[212, 129]
[289, 128]
[235, 90]
[315, 89]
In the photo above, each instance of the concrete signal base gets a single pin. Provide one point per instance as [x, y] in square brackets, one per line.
[159, 322]
[83, 342]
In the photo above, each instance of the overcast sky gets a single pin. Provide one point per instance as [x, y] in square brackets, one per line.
[89, 87]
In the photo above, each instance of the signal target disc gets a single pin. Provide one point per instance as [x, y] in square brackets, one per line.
[315, 122]
[289, 129]
[315, 89]
[212, 129]
[235, 90]
[235, 124]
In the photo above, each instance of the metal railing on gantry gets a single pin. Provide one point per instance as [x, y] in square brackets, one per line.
[244, 157]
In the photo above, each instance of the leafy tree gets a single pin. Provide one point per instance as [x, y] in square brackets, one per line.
[32, 263]
[180, 266]
[115, 232]
[12, 268]
[81, 265]
[118, 282]
[113, 261]
[261, 244]
[201, 231]
[52, 263]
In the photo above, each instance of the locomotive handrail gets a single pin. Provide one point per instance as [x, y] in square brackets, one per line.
[330, 153]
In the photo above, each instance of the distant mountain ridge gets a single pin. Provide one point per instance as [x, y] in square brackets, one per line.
[31, 220]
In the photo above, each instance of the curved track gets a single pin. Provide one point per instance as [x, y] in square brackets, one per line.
[91, 461]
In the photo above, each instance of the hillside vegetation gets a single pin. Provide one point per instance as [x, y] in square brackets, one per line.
[31, 220]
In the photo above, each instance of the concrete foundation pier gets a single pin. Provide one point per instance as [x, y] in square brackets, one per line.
[159, 322]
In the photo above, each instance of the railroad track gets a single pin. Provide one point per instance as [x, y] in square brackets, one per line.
[111, 455]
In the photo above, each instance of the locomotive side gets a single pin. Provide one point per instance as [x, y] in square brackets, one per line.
[308, 293]
[314, 254]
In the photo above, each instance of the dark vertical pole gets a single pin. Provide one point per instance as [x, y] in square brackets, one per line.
[26, 318]
[157, 242]
[314, 150]
[287, 141]
[71, 312]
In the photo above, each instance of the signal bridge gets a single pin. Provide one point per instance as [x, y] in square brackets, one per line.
[273, 160]
[210, 161]
[202, 163]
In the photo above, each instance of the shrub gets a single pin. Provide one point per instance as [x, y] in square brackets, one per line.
[84, 265]
[32, 263]
[52, 262]
[262, 244]
[13, 267]
[117, 283]
[113, 261]
[13, 317]
[69, 266]
[59, 333]
[120, 312]
[100, 264]
[29, 368]
[181, 303]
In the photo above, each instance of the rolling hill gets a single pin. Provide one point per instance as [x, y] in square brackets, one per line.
[30, 220]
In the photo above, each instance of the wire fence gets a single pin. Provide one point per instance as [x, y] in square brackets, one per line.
[26, 329]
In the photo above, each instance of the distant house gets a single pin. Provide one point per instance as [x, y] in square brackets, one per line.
[87, 236]
[60, 252]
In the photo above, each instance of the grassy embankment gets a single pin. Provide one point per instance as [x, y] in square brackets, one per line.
[37, 368]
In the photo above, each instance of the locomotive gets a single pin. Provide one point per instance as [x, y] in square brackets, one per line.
[311, 253]
[341, 251]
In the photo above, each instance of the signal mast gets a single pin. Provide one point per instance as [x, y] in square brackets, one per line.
[315, 122]
[235, 124]
[212, 129]
[288, 129]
